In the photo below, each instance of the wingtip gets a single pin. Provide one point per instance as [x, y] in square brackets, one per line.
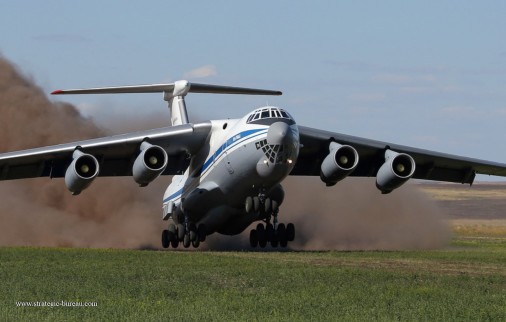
[58, 91]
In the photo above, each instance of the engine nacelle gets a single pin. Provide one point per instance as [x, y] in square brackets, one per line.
[396, 170]
[81, 172]
[150, 163]
[340, 162]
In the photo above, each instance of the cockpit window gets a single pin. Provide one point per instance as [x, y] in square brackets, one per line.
[271, 112]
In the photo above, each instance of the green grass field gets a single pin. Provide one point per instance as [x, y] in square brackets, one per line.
[465, 282]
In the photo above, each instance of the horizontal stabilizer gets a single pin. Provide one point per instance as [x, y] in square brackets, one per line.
[169, 88]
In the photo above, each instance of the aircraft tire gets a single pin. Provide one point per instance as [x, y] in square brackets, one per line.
[174, 242]
[202, 232]
[165, 238]
[262, 236]
[196, 243]
[275, 206]
[172, 229]
[248, 204]
[283, 241]
[193, 232]
[186, 241]
[180, 232]
[253, 238]
[290, 232]
[271, 233]
[267, 206]
[256, 204]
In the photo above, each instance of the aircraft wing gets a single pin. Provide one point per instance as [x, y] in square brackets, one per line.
[430, 165]
[115, 154]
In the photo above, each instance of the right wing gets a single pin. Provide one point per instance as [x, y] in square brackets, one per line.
[115, 154]
[430, 165]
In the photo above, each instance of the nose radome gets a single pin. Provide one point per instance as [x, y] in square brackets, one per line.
[279, 133]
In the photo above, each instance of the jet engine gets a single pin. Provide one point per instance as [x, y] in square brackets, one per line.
[340, 162]
[81, 172]
[396, 170]
[149, 164]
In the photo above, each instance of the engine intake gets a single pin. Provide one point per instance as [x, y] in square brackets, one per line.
[340, 162]
[396, 170]
[149, 164]
[81, 172]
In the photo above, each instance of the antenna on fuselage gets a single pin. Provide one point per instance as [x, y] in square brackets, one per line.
[173, 93]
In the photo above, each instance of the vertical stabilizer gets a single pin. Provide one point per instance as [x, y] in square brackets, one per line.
[177, 105]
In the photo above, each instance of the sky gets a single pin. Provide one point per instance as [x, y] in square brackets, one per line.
[430, 74]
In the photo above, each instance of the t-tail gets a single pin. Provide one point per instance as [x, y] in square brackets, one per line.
[173, 93]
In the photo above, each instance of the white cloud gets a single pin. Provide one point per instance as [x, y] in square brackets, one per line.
[201, 72]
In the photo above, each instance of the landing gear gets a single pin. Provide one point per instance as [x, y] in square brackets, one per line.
[264, 234]
[273, 233]
[188, 234]
[165, 239]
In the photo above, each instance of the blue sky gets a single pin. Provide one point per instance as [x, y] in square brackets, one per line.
[430, 74]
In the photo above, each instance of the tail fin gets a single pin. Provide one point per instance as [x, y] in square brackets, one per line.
[173, 93]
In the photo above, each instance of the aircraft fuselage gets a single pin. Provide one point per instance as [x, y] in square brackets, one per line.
[246, 157]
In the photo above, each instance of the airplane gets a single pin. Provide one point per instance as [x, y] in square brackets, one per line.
[227, 174]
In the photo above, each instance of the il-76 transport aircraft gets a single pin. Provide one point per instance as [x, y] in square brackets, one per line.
[227, 174]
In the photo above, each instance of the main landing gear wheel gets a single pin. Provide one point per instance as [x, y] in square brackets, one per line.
[193, 232]
[186, 240]
[253, 238]
[174, 241]
[248, 205]
[202, 233]
[180, 232]
[165, 239]
[264, 234]
[290, 232]
[192, 236]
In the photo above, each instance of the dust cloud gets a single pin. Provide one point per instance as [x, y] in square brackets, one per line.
[354, 215]
[115, 212]
[111, 213]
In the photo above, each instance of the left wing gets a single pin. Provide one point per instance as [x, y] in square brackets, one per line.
[430, 165]
[115, 154]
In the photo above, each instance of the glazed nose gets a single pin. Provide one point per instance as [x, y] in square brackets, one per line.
[279, 133]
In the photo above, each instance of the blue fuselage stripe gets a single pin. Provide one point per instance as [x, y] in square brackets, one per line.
[236, 139]
[230, 143]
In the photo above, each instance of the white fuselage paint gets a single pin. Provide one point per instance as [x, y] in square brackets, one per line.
[233, 164]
